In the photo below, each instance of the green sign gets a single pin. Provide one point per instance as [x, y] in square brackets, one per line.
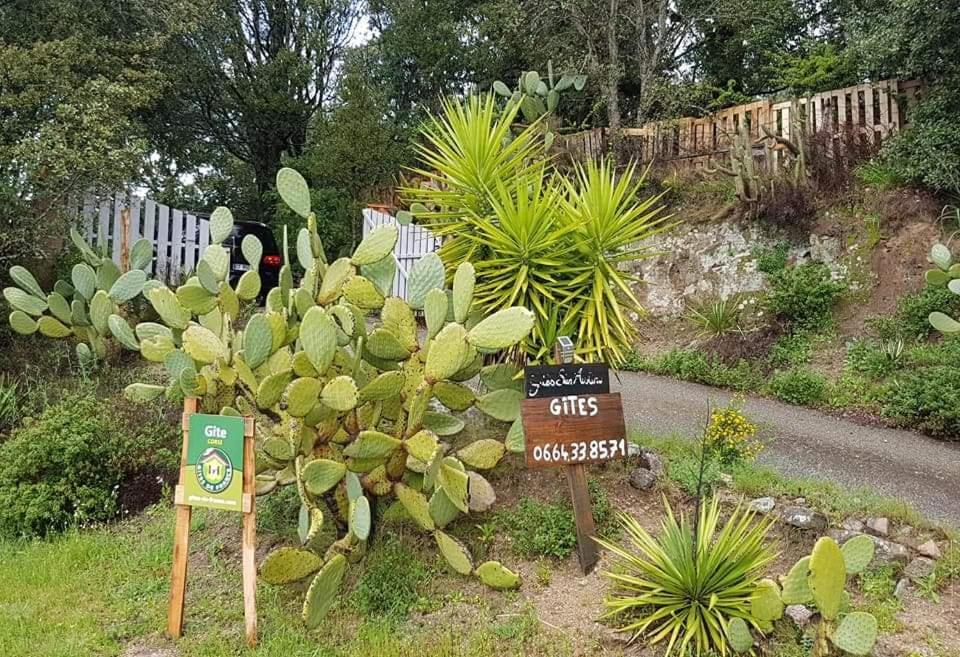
[214, 476]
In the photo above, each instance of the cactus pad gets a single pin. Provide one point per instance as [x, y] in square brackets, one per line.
[502, 329]
[196, 299]
[501, 376]
[827, 577]
[287, 565]
[447, 353]
[302, 395]
[248, 287]
[25, 281]
[340, 393]
[22, 323]
[482, 454]
[766, 605]
[497, 576]
[376, 246]
[856, 634]
[383, 387]
[381, 273]
[372, 445]
[397, 317]
[141, 254]
[416, 506]
[455, 483]
[202, 344]
[482, 495]
[455, 396]
[120, 330]
[426, 274]
[442, 509]
[385, 345]
[857, 553]
[128, 286]
[421, 445]
[142, 392]
[221, 224]
[796, 589]
[293, 189]
[24, 301]
[320, 475]
[503, 405]
[362, 293]
[739, 636]
[323, 590]
[360, 518]
[464, 281]
[442, 424]
[435, 311]
[84, 280]
[454, 552]
[166, 304]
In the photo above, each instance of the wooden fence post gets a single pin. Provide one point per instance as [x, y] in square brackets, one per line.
[181, 534]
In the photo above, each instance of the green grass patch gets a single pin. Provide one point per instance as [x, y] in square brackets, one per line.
[877, 586]
[388, 586]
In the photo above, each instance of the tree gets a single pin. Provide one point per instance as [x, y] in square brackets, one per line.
[253, 75]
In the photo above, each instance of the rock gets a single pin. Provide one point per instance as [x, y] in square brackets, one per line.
[919, 568]
[890, 552]
[762, 504]
[841, 536]
[901, 589]
[804, 518]
[633, 449]
[642, 479]
[800, 501]
[878, 526]
[853, 525]
[652, 462]
[799, 614]
[929, 549]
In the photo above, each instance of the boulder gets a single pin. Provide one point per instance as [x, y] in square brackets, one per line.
[642, 479]
[929, 550]
[878, 526]
[890, 552]
[652, 462]
[841, 536]
[804, 518]
[901, 589]
[853, 525]
[762, 504]
[919, 568]
[799, 614]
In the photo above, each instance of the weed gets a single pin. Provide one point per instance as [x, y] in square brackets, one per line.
[391, 576]
[539, 529]
[791, 350]
[913, 310]
[875, 359]
[928, 398]
[771, 260]
[878, 585]
[544, 573]
[805, 295]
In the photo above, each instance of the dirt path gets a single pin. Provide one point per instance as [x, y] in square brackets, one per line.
[807, 443]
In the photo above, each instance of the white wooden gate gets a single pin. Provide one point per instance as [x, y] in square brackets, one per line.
[178, 237]
[414, 242]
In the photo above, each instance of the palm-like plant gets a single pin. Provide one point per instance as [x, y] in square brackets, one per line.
[716, 318]
[685, 586]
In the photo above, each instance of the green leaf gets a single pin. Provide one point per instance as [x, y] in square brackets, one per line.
[221, 224]
[294, 191]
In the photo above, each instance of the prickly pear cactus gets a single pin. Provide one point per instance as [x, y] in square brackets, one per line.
[947, 273]
[89, 307]
[539, 97]
[360, 400]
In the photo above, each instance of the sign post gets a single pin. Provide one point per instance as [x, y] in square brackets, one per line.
[217, 472]
[571, 419]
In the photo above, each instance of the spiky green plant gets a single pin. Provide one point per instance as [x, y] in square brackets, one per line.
[820, 580]
[947, 273]
[559, 247]
[688, 586]
[90, 307]
[351, 396]
[715, 318]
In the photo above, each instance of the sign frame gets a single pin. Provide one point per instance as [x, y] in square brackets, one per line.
[574, 438]
[181, 532]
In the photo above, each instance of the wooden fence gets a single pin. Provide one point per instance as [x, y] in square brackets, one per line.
[874, 110]
[111, 224]
[413, 243]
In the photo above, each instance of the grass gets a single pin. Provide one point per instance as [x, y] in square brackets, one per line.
[96, 592]
[877, 586]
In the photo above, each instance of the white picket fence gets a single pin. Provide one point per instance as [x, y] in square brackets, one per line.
[413, 243]
[178, 237]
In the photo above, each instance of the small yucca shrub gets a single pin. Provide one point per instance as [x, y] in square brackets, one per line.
[715, 318]
[684, 586]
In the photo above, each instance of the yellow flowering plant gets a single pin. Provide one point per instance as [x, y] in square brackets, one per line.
[731, 436]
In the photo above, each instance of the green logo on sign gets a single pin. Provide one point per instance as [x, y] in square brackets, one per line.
[214, 470]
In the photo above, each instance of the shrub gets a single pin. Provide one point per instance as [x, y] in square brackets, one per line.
[539, 529]
[771, 260]
[799, 386]
[64, 469]
[874, 359]
[791, 350]
[692, 365]
[804, 295]
[929, 398]
[731, 436]
[684, 586]
[913, 310]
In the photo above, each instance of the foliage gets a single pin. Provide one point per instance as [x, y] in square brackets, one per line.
[799, 386]
[791, 349]
[773, 259]
[695, 473]
[90, 307]
[946, 275]
[550, 244]
[731, 436]
[804, 295]
[693, 365]
[349, 400]
[63, 469]
[389, 583]
[717, 317]
[686, 586]
[539, 97]
[876, 359]
[913, 310]
[540, 529]
[928, 398]
[9, 405]
[821, 66]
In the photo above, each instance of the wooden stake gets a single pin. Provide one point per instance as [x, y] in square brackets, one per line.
[577, 482]
[181, 535]
[249, 536]
[125, 243]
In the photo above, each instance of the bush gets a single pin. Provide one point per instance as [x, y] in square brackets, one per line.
[64, 469]
[691, 365]
[804, 295]
[799, 386]
[929, 398]
[731, 436]
[791, 350]
[913, 310]
[771, 260]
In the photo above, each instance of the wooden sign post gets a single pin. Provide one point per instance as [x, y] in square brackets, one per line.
[571, 419]
[213, 447]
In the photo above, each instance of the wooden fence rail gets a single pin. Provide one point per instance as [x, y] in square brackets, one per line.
[875, 110]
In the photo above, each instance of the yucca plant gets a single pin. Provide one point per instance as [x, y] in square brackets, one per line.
[685, 586]
[558, 247]
[715, 318]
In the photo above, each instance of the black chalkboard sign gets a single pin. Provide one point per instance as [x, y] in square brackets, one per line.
[540, 381]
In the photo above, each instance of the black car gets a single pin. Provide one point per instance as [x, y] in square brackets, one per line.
[270, 262]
